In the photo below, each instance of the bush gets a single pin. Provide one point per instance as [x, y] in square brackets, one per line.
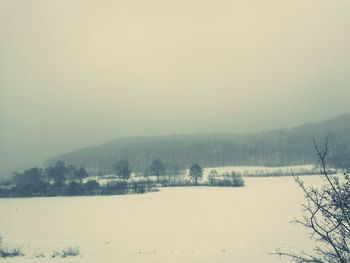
[238, 181]
[115, 187]
[91, 186]
[7, 252]
[175, 182]
[229, 180]
[139, 187]
[74, 189]
[66, 252]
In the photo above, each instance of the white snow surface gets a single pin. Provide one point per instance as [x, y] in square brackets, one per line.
[183, 224]
[260, 169]
[243, 170]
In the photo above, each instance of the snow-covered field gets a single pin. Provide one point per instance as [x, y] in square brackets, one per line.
[259, 169]
[242, 170]
[189, 224]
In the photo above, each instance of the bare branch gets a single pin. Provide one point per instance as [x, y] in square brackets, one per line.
[326, 213]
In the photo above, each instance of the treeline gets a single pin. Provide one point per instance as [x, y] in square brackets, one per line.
[65, 180]
[272, 148]
[68, 180]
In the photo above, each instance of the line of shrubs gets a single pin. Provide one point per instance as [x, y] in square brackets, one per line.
[6, 252]
[220, 181]
[91, 187]
[114, 187]
[67, 180]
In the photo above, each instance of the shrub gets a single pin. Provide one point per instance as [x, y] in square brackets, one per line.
[115, 187]
[238, 181]
[66, 252]
[74, 188]
[139, 188]
[91, 187]
[229, 180]
[7, 252]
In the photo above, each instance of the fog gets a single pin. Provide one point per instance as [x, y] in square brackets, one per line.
[78, 73]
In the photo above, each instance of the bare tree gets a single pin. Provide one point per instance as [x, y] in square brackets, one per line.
[327, 214]
[157, 168]
[123, 169]
[196, 172]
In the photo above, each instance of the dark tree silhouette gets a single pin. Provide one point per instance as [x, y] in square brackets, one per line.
[32, 176]
[91, 186]
[122, 169]
[327, 215]
[80, 174]
[30, 182]
[157, 168]
[57, 173]
[196, 172]
[71, 170]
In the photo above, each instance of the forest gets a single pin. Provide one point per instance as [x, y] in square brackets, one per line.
[270, 148]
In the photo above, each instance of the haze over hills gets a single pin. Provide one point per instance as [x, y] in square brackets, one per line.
[269, 148]
[108, 108]
[76, 74]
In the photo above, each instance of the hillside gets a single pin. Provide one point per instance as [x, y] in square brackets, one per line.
[271, 148]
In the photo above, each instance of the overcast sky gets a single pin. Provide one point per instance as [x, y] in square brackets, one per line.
[78, 73]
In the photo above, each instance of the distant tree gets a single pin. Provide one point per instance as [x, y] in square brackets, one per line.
[33, 176]
[122, 169]
[157, 168]
[74, 188]
[196, 172]
[57, 173]
[71, 170]
[80, 174]
[30, 181]
[237, 179]
[91, 186]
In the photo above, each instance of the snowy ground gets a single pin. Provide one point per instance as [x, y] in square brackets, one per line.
[243, 170]
[260, 169]
[203, 224]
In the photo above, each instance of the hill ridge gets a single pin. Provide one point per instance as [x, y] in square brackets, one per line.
[284, 146]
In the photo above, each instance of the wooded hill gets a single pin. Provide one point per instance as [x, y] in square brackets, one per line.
[270, 148]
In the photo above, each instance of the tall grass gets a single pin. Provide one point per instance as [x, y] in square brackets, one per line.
[66, 252]
[9, 252]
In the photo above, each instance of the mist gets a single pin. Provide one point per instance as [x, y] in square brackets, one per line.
[78, 73]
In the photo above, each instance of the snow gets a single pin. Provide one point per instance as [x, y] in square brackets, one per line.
[184, 224]
[260, 169]
[243, 170]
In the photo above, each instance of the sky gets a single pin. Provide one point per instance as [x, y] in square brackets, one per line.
[79, 73]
